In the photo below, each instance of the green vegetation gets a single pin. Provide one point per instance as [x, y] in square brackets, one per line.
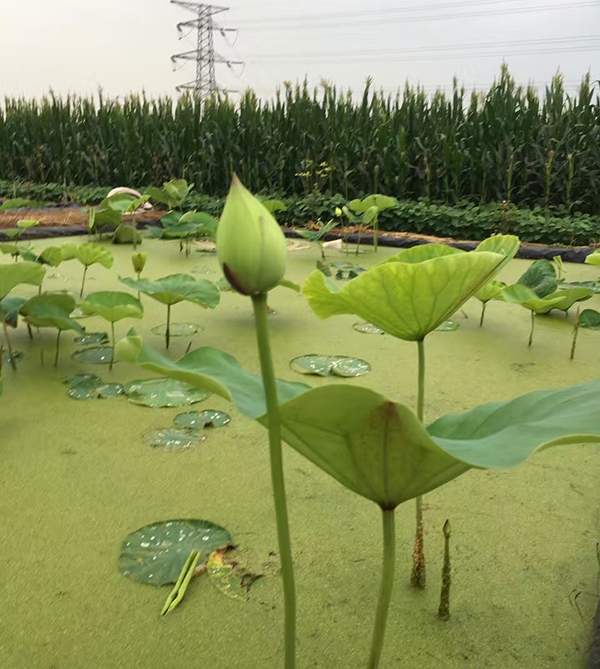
[508, 144]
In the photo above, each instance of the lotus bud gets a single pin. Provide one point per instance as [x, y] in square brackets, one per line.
[338, 212]
[138, 260]
[250, 244]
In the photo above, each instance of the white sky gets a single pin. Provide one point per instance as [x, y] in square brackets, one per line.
[125, 45]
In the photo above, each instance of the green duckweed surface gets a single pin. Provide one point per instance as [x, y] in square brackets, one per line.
[78, 476]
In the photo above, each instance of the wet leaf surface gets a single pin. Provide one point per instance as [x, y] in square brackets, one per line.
[91, 386]
[174, 438]
[198, 420]
[177, 329]
[448, 326]
[155, 554]
[97, 355]
[159, 392]
[92, 338]
[330, 365]
[367, 328]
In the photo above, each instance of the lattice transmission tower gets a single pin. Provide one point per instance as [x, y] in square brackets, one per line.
[204, 55]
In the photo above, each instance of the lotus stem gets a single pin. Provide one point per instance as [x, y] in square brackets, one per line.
[444, 608]
[259, 303]
[168, 328]
[574, 342]
[417, 578]
[57, 353]
[112, 346]
[29, 331]
[85, 269]
[386, 587]
[483, 307]
[375, 234]
[530, 342]
[11, 358]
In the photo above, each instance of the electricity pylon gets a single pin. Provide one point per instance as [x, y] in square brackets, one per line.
[205, 83]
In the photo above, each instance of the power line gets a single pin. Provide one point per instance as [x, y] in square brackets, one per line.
[328, 24]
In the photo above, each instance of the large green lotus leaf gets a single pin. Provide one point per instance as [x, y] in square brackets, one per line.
[177, 288]
[380, 450]
[590, 318]
[14, 274]
[520, 294]
[112, 305]
[92, 254]
[51, 310]
[204, 222]
[209, 369]
[503, 434]
[593, 258]
[9, 310]
[423, 252]
[404, 299]
[540, 277]
[51, 255]
[156, 553]
[505, 245]
[381, 202]
[569, 296]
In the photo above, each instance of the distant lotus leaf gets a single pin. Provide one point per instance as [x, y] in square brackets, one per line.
[590, 318]
[69, 250]
[226, 572]
[380, 450]
[9, 310]
[594, 286]
[51, 310]
[330, 365]
[95, 355]
[156, 553]
[381, 202]
[12, 275]
[569, 296]
[505, 245]
[174, 438]
[211, 370]
[272, 205]
[92, 254]
[198, 420]
[126, 233]
[177, 288]
[406, 300]
[177, 329]
[422, 252]
[540, 277]
[158, 393]
[112, 305]
[521, 294]
[593, 258]
[491, 291]
[51, 255]
[92, 338]
[26, 223]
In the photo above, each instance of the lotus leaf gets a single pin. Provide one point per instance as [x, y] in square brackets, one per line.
[176, 288]
[158, 393]
[51, 310]
[174, 438]
[24, 272]
[9, 310]
[112, 305]
[423, 252]
[91, 254]
[540, 277]
[211, 370]
[330, 365]
[593, 258]
[590, 318]
[198, 420]
[156, 553]
[404, 299]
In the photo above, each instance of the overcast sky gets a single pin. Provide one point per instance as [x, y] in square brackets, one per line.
[125, 45]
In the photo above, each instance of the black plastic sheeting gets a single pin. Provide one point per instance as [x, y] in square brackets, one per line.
[527, 251]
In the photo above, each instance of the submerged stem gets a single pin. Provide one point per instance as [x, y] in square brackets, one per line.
[57, 353]
[11, 357]
[386, 587]
[112, 347]
[259, 303]
[418, 570]
[530, 342]
[483, 307]
[444, 608]
[85, 269]
[168, 329]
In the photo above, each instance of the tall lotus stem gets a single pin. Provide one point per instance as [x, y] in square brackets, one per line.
[57, 353]
[418, 571]
[168, 328]
[530, 342]
[386, 587]
[11, 357]
[575, 335]
[259, 303]
[85, 269]
[483, 306]
[444, 608]
[112, 346]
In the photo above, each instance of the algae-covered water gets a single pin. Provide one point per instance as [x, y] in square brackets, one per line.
[77, 476]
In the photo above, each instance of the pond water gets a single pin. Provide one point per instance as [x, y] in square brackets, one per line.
[78, 476]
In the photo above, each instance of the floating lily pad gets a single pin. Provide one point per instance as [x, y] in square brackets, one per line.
[330, 365]
[227, 574]
[156, 553]
[90, 338]
[158, 393]
[198, 420]
[448, 326]
[345, 270]
[109, 390]
[177, 329]
[83, 386]
[174, 438]
[96, 355]
[368, 328]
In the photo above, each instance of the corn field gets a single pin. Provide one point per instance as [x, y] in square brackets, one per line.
[507, 144]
